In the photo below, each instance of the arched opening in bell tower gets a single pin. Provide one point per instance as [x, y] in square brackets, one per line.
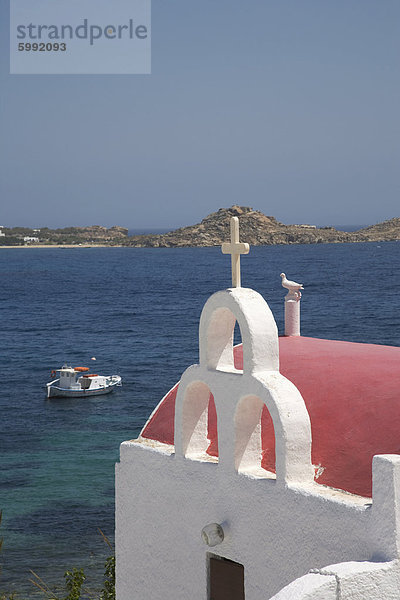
[199, 423]
[254, 438]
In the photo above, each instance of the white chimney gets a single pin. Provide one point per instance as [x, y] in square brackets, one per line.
[292, 306]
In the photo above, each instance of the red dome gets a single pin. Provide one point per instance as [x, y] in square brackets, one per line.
[352, 394]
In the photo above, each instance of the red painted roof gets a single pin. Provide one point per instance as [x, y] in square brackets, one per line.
[352, 394]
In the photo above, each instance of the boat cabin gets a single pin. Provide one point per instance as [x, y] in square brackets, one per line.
[68, 377]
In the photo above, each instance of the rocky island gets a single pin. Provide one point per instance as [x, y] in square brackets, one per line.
[255, 227]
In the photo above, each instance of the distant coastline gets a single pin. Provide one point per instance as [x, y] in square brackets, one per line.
[62, 246]
[256, 228]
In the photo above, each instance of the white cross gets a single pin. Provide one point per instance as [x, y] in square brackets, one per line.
[235, 249]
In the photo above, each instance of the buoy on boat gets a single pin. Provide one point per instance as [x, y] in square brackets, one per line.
[81, 369]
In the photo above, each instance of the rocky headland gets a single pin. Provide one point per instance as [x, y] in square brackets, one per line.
[259, 230]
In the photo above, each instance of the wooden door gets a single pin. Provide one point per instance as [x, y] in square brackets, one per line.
[226, 579]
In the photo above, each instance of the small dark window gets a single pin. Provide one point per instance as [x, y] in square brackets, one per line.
[226, 579]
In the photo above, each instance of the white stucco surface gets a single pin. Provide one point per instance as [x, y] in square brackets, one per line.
[347, 581]
[279, 527]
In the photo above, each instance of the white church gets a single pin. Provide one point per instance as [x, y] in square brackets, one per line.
[271, 471]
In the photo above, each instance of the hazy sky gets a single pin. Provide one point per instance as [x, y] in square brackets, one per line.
[289, 106]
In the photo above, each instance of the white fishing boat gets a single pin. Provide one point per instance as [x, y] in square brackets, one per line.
[77, 382]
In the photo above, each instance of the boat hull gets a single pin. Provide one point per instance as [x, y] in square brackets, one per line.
[56, 392]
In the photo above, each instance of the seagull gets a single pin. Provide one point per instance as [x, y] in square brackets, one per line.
[292, 286]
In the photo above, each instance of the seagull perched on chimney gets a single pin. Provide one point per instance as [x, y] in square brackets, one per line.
[293, 287]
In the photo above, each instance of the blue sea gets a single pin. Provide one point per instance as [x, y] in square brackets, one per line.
[136, 310]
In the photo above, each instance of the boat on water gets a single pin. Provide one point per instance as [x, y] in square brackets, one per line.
[77, 382]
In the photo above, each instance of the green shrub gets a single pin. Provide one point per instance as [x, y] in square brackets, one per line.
[74, 581]
[108, 591]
